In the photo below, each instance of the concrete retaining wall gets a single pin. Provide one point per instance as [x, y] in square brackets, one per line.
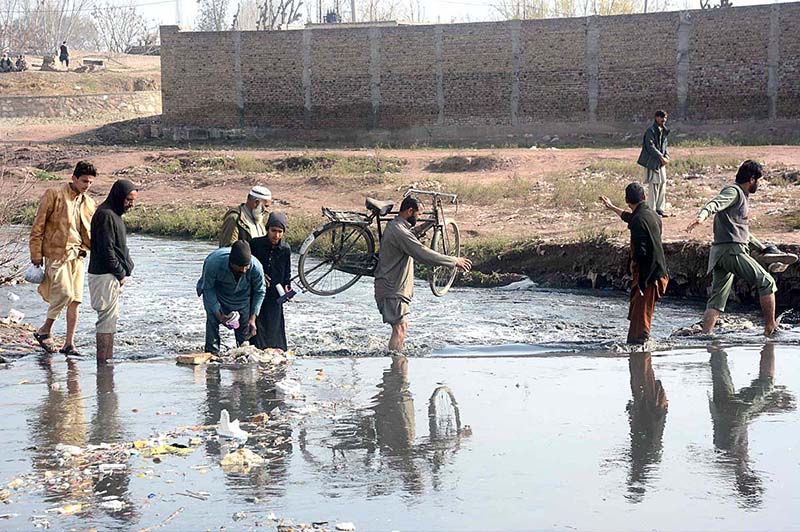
[141, 103]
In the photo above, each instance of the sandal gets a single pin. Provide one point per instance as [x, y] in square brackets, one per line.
[45, 341]
[70, 351]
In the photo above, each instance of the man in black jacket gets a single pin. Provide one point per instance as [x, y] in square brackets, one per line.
[655, 158]
[648, 265]
[110, 263]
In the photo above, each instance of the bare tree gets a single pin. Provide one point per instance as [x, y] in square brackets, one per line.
[278, 14]
[12, 240]
[415, 12]
[118, 27]
[706, 4]
[378, 10]
[212, 15]
[40, 25]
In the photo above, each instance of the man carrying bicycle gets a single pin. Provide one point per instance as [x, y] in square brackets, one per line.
[394, 276]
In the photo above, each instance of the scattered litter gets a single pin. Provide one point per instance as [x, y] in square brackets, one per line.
[230, 429]
[13, 297]
[68, 509]
[345, 527]
[200, 495]
[240, 461]
[14, 317]
[72, 450]
[249, 354]
[260, 418]
[115, 505]
[40, 521]
[107, 468]
[238, 516]
[287, 388]
[167, 449]
[8, 516]
[14, 484]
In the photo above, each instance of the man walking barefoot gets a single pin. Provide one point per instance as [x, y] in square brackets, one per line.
[60, 239]
[394, 276]
[110, 263]
[648, 265]
[730, 255]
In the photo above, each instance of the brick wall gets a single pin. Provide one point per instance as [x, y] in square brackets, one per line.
[738, 63]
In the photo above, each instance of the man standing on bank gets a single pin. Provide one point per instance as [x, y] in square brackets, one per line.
[655, 158]
[110, 263]
[63, 54]
[232, 283]
[394, 275]
[246, 221]
[730, 252]
[60, 239]
[275, 256]
[648, 265]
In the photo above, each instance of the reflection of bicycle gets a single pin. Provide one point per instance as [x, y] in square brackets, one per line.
[343, 250]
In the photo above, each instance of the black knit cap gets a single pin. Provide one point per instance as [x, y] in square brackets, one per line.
[277, 219]
[240, 254]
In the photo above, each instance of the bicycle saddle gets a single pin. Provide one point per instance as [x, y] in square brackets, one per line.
[380, 207]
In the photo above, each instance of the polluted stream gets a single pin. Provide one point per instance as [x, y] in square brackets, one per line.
[517, 409]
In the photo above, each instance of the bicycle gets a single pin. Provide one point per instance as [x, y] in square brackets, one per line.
[335, 256]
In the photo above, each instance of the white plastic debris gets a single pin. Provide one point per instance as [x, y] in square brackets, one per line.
[115, 505]
[346, 527]
[14, 316]
[230, 429]
[287, 388]
[34, 274]
[13, 297]
[72, 450]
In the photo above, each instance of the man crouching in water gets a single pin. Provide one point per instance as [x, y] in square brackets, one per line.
[394, 276]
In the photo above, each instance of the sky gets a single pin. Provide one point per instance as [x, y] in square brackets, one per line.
[165, 11]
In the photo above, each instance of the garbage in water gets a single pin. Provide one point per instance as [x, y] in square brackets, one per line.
[345, 527]
[241, 461]
[250, 354]
[13, 297]
[113, 505]
[287, 388]
[230, 429]
[14, 317]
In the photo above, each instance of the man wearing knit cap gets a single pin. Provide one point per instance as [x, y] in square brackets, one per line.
[246, 221]
[232, 283]
[276, 257]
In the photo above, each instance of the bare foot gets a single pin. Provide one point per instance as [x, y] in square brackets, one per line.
[769, 330]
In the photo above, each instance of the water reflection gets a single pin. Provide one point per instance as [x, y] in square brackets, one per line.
[249, 392]
[732, 411]
[61, 419]
[368, 441]
[647, 414]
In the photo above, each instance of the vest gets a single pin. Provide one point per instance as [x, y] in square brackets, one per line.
[731, 224]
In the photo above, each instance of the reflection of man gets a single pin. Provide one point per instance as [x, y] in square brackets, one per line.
[648, 265]
[60, 238]
[246, 221]
[731, 411]
[394, 275]
[232, 282]
[394, 408]
[647, 415]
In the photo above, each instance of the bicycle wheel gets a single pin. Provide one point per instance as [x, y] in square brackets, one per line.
[447, 241]
[337, 256]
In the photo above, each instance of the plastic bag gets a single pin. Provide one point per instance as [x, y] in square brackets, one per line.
[34, 274]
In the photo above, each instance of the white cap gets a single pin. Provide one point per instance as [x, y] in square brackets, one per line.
[261, 193]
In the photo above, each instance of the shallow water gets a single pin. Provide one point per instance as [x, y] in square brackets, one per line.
[520, 413]
[162, 315]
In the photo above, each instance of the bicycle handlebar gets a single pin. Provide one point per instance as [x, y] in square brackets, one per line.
[453, 197]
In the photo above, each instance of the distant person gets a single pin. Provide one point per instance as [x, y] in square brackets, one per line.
[394, 275]
[275, 256]
[5, 63]
[63, 54]
[232, 282]
[246, 221]
[655, 158]
[730, 252]
[110, 263]
[648, 265]
[60, 240]
[21, 64]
